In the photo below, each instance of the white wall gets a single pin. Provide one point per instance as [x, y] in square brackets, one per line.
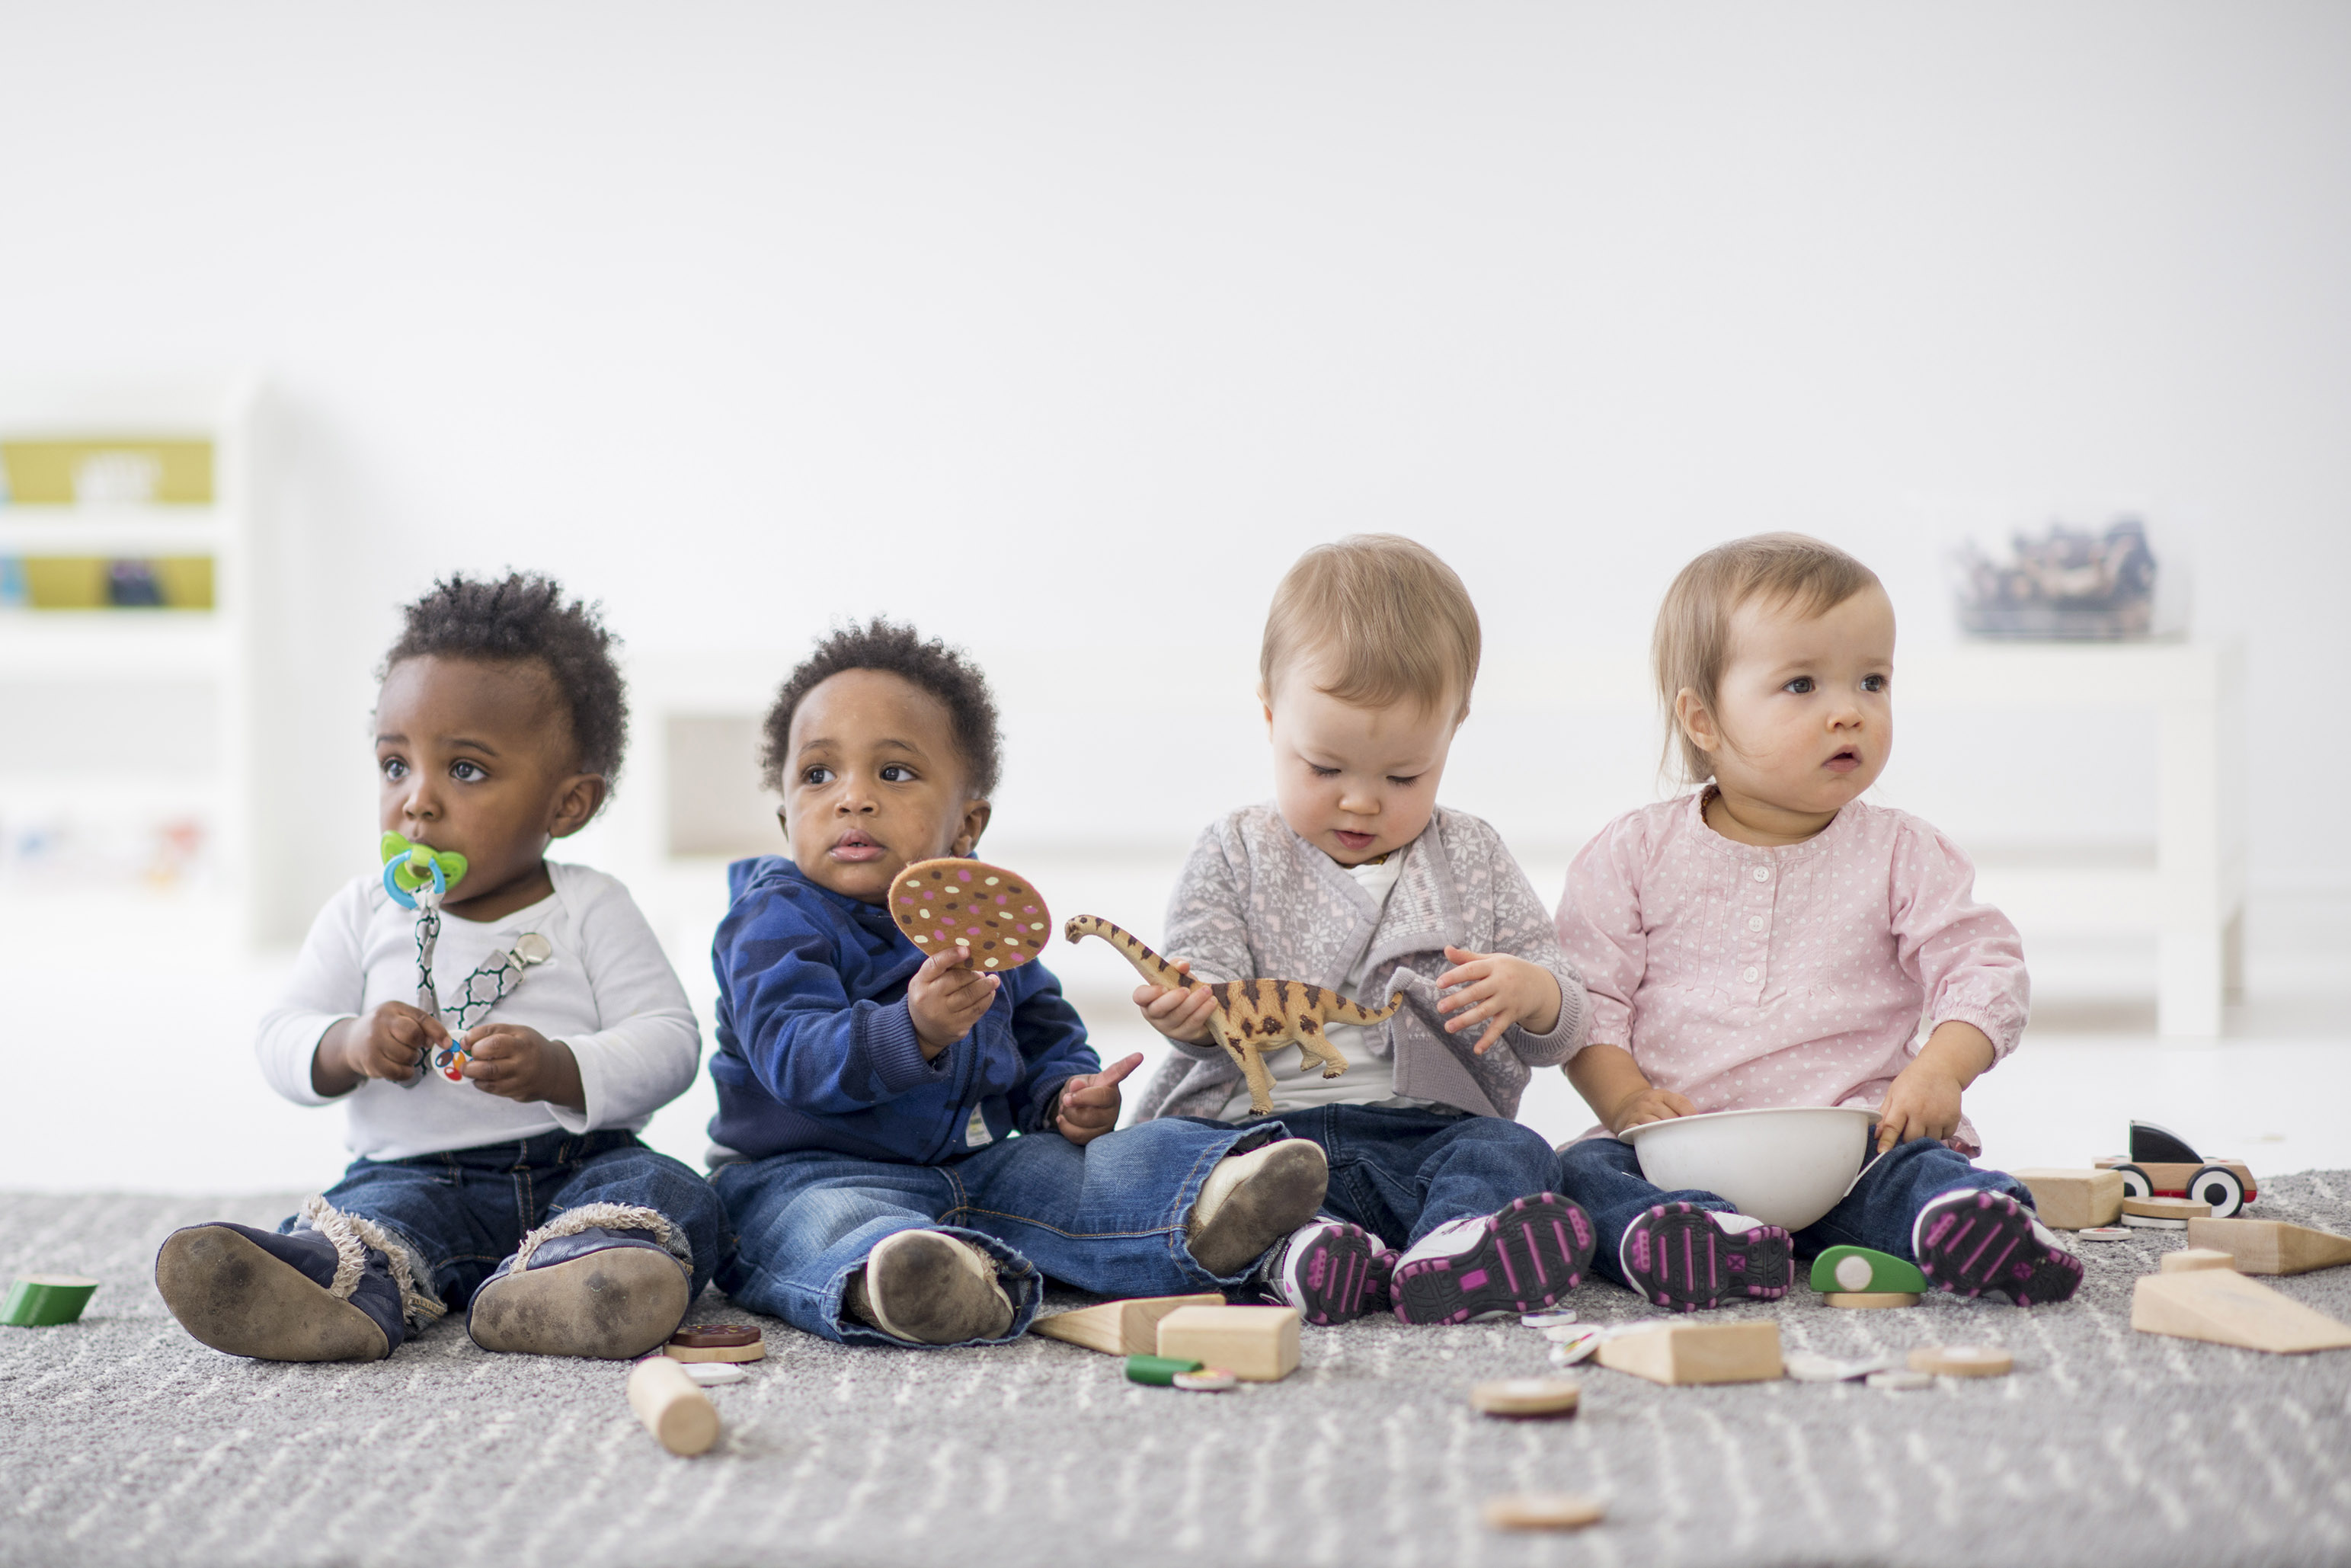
[1071, 325]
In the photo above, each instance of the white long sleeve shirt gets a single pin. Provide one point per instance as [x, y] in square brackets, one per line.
[608, 993]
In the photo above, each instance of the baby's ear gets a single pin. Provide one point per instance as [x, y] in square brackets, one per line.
[577, 800]
[975, 815]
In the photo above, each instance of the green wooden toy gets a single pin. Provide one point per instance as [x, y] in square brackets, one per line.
[1857, 1270]
[1159, 1370]
[45, 1301]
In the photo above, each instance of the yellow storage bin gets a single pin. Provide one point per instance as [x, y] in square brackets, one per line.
[121, 470]
[99, 582]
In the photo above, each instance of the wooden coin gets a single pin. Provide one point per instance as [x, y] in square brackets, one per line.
[998, 916]
[1543, 1510]
[2179, 1208]
[716, 1342]
[1962, 1360]
[1863, 1300]
[1527, 1396]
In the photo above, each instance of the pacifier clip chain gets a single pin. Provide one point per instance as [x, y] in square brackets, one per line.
[418, 877]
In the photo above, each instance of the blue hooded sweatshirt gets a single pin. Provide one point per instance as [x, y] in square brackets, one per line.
[816, 1048]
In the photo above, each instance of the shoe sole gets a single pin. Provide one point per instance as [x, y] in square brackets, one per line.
[1339, 1279]
[231, 1294]
[1676, 1256]
[609, 1305]
[1283, 1193]
[1533, 1253]
[920, 1288]
[1988, 1244]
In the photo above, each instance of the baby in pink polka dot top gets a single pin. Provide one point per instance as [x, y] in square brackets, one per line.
[1772, 940]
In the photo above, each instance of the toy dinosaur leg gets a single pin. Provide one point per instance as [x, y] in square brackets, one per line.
[1317, 1048]
[1252, 1066]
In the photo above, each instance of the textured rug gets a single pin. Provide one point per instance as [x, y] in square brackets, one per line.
[123, 1441]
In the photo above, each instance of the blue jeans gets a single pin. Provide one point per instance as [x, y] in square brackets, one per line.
[1108, 1218]
[464, 1211]
[1603, 1174]
[1400, 1173]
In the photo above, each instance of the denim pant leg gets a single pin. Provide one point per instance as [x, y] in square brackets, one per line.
[806, 1221]
[1880, 1210]
[1603, 1174]
[640, 1178]
[1400, 1173]
[1108, 1218]
[457, 1222]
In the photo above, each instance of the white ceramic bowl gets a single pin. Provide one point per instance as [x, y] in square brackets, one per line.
[1784, 1166]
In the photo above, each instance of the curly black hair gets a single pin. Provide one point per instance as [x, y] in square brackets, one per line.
[932, 666]
[523, 616]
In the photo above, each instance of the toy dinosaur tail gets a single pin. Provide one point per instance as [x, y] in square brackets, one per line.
[1344, 1011]
[1147, 963]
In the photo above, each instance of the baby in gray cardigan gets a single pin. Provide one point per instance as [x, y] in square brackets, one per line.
[1354, 879]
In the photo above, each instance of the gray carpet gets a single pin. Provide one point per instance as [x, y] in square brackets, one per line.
[123, 1441]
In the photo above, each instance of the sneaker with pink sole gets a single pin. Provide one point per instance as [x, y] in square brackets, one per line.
[1520, 1258]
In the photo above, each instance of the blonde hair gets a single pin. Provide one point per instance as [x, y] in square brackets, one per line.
[1693, 637]
[1389, 619]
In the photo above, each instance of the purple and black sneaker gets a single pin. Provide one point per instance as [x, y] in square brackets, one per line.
[1521, 1259]
[1970, 1242]
[1332, 1272]
[1681, 1256]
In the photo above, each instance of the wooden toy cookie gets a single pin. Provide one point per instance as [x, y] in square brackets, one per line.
[1000, 917]
[718, 1342]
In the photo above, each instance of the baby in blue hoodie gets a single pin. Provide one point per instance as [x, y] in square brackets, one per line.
[906, 1145]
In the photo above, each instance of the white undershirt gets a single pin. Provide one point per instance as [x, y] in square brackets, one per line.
[1369, 1080]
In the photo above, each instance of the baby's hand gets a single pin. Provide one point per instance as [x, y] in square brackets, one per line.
[1497, 990]
[946, 997]
[1651, 1104]
[392, 1041]
[1090, 1101]
[1923, 1101]
[1179, 1014]
[515, 1061]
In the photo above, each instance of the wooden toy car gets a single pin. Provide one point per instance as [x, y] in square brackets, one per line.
[2161, 1164]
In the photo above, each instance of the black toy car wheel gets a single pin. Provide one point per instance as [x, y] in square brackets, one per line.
[2218, 1185]
[2134, 1182]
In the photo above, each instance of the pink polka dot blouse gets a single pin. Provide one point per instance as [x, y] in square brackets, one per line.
[1806, 975]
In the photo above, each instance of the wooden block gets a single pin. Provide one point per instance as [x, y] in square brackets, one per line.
[1257, 1344]
[2196, 1258]
[716, 1343]
[1118, 1328]
[673, 1409]
[2223, 1307]
[2271, 1245]
[1527, 1396]
[1698, 1352]
[2074, 1199]
[2178, 1209]
[1962, 1360]
[1542, 1511]
[1862, 1301]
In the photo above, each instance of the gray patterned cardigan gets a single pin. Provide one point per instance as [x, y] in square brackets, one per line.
[1256, 900]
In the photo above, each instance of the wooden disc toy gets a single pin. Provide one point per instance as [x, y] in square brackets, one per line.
[2175, 1208]
[1961, 1359]
[998, 914]
[1536, 1396]
[1862, 1301]
[1901, 1380]
[1543, 1510]
[2104, 1233]
[716, 1342]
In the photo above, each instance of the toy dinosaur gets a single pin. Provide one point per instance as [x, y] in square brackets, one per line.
[1252, 1016]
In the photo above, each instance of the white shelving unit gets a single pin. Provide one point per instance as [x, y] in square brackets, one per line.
[114, 721]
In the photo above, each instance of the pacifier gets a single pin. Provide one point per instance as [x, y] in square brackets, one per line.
[409, 868]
